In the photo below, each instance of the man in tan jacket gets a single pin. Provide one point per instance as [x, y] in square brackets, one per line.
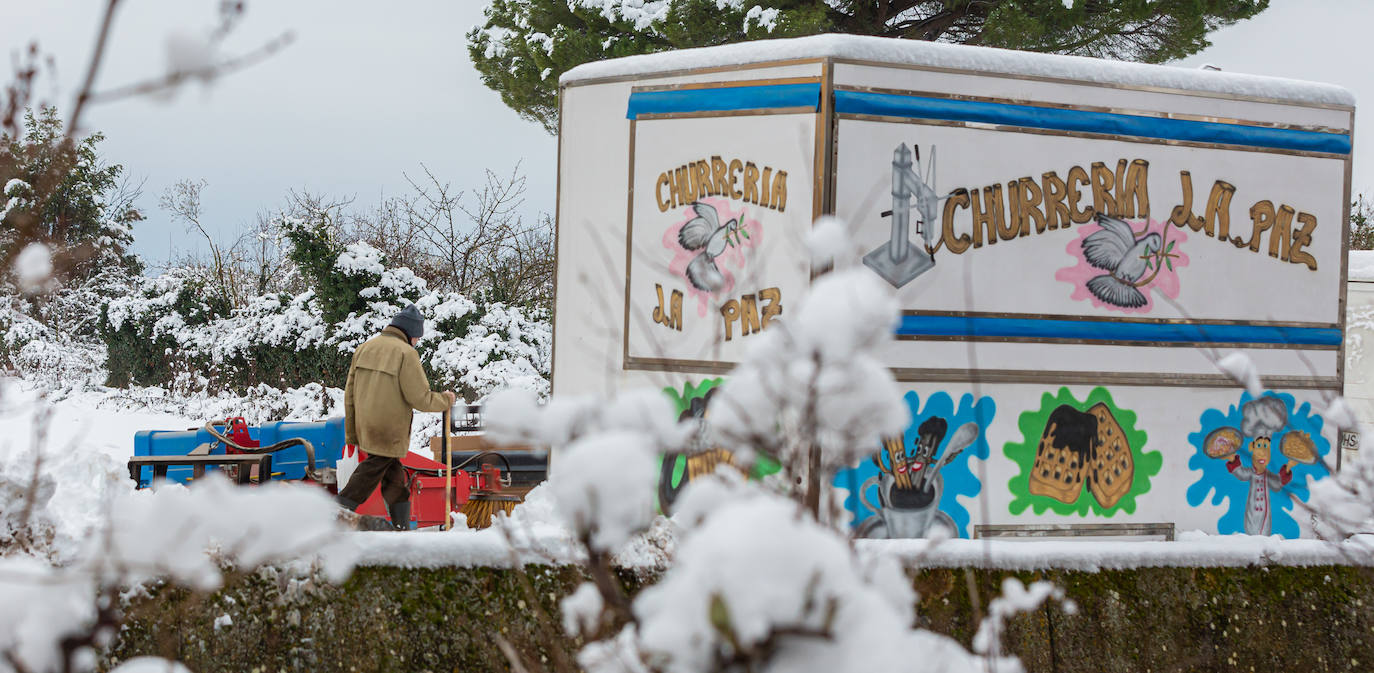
[386, 382]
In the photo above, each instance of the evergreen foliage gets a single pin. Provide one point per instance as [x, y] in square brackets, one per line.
[525, 45]
[314, 249]
[61, 193]
[1361, 227]
[145, 351]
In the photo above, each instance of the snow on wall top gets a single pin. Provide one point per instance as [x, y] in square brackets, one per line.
[962, 57]
[1361, 266]
[548, 544]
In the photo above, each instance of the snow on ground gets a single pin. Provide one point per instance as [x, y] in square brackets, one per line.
[83, 449]
[1191, 549]
[78, 422]
[1361, 266]
[550, 545]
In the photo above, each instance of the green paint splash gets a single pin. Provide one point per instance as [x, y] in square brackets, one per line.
[683, 400]
[1032, 424]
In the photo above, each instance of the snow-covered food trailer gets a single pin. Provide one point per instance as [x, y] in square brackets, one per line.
[1074, 244]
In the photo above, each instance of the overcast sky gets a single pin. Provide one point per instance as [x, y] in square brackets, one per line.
[368, 91]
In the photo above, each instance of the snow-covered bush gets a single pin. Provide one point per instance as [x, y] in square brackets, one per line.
[35, 350]
[17, 329]
[760, 579]
[158, 329]
[1342, 506]
[170, 326]
[490, 347]
[812, 391]
[759, 585]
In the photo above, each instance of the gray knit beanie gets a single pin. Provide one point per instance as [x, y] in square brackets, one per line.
[410, 321]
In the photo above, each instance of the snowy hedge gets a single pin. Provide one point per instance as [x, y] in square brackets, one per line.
[34, 350]
[450, 618]
[170, 329]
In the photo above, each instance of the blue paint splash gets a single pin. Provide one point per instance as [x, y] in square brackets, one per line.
[959, 479]
[1218, 482]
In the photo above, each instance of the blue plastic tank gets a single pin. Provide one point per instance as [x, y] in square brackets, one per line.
[326, 436]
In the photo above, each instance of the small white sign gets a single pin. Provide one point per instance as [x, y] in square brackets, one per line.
[1350, 440]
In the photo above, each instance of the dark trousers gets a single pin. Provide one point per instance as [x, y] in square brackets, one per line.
[374, 470]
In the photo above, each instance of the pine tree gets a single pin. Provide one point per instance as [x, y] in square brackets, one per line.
[526, 44]
[60, 192]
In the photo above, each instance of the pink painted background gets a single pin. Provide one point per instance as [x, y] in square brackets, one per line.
[733, 259]
[1166, 282]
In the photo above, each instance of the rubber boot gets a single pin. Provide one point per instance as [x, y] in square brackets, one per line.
[400, 515]
[350, 518]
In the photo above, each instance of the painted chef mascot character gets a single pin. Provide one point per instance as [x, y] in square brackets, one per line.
[1262, 420]
[1259, 518]
[385, 384]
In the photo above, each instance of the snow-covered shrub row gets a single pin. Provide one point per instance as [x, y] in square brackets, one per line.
[170, 325]
[33, 350]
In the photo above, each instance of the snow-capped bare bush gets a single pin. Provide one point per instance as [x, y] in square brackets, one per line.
[758, 579]
[759, 585]
[1016, 598]
[812, 391]
[1342, 505]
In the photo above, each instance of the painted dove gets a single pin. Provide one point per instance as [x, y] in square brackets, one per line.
[1115, 249]
[706, 234]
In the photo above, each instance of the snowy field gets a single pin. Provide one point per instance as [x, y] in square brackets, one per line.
[84, 448]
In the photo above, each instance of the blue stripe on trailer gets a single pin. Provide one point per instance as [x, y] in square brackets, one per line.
[1110, 330]
[725, 99]
[1085, 121]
